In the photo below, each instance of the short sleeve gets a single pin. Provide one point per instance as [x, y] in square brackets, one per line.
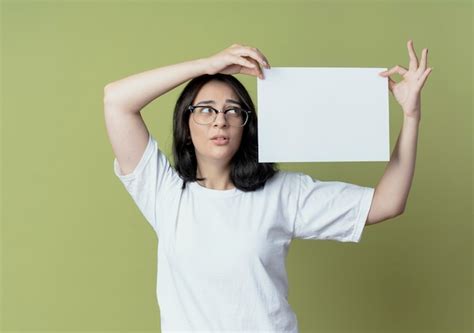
[331, 210]
[152, 175]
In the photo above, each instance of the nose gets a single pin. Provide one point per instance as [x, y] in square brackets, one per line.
[220, 120]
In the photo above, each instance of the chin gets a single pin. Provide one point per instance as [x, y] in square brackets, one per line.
[222, 156]
[224, 153]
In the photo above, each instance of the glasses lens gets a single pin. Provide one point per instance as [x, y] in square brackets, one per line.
[205, 115]
[235, 117]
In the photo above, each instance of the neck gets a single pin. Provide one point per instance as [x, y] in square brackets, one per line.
[217, 177]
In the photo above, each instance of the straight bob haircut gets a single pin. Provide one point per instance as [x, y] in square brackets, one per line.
[246, 173]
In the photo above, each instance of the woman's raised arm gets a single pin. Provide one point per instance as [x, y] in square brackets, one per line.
[124, 99]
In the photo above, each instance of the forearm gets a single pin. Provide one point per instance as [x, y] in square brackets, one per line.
[136, 91]
[395, 183]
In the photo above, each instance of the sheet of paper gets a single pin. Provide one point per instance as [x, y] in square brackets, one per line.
[323, 114]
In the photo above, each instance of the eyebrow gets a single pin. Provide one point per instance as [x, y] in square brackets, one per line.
[227, 101]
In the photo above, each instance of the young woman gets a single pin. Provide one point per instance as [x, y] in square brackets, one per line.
[223, 220]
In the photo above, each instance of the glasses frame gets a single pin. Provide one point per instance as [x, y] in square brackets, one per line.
[191, 108]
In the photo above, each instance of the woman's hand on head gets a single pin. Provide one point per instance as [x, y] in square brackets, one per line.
[238, 59]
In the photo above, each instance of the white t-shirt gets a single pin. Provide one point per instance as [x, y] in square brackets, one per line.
[221, 253]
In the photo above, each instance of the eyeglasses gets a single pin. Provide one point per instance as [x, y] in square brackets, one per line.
[204, 115]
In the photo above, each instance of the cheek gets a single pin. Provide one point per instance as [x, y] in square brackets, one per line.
[194, 131]
[236, 143]
[199, 137]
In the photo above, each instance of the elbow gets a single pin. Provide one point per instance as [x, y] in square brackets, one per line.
[108, 94]
[399, 211]
[399, 207]
[107, 88]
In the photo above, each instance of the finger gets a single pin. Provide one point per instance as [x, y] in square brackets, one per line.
[243, 62]
[265, 60]
[423, 62]
[254, 71]
[413, 59]
[391, 83]
[258, 70]
[422, 79]
[396, 69]
[253, 53]
[262, 59]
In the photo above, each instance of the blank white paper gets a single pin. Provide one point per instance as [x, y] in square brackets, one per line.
[323, 114]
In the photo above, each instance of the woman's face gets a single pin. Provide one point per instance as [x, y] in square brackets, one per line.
[207, 149]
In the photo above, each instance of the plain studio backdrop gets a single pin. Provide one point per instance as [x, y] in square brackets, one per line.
[76, 253]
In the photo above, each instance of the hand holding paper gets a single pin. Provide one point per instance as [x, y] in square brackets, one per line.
[407, 92]
[237, 59]
[341, 114]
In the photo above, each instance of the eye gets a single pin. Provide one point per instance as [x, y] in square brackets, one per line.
[233, 111]
[205, 109]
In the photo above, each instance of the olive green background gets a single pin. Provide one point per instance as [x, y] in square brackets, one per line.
[78, 255]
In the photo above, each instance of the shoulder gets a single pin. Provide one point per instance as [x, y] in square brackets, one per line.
[285, 181]
[290, 177]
